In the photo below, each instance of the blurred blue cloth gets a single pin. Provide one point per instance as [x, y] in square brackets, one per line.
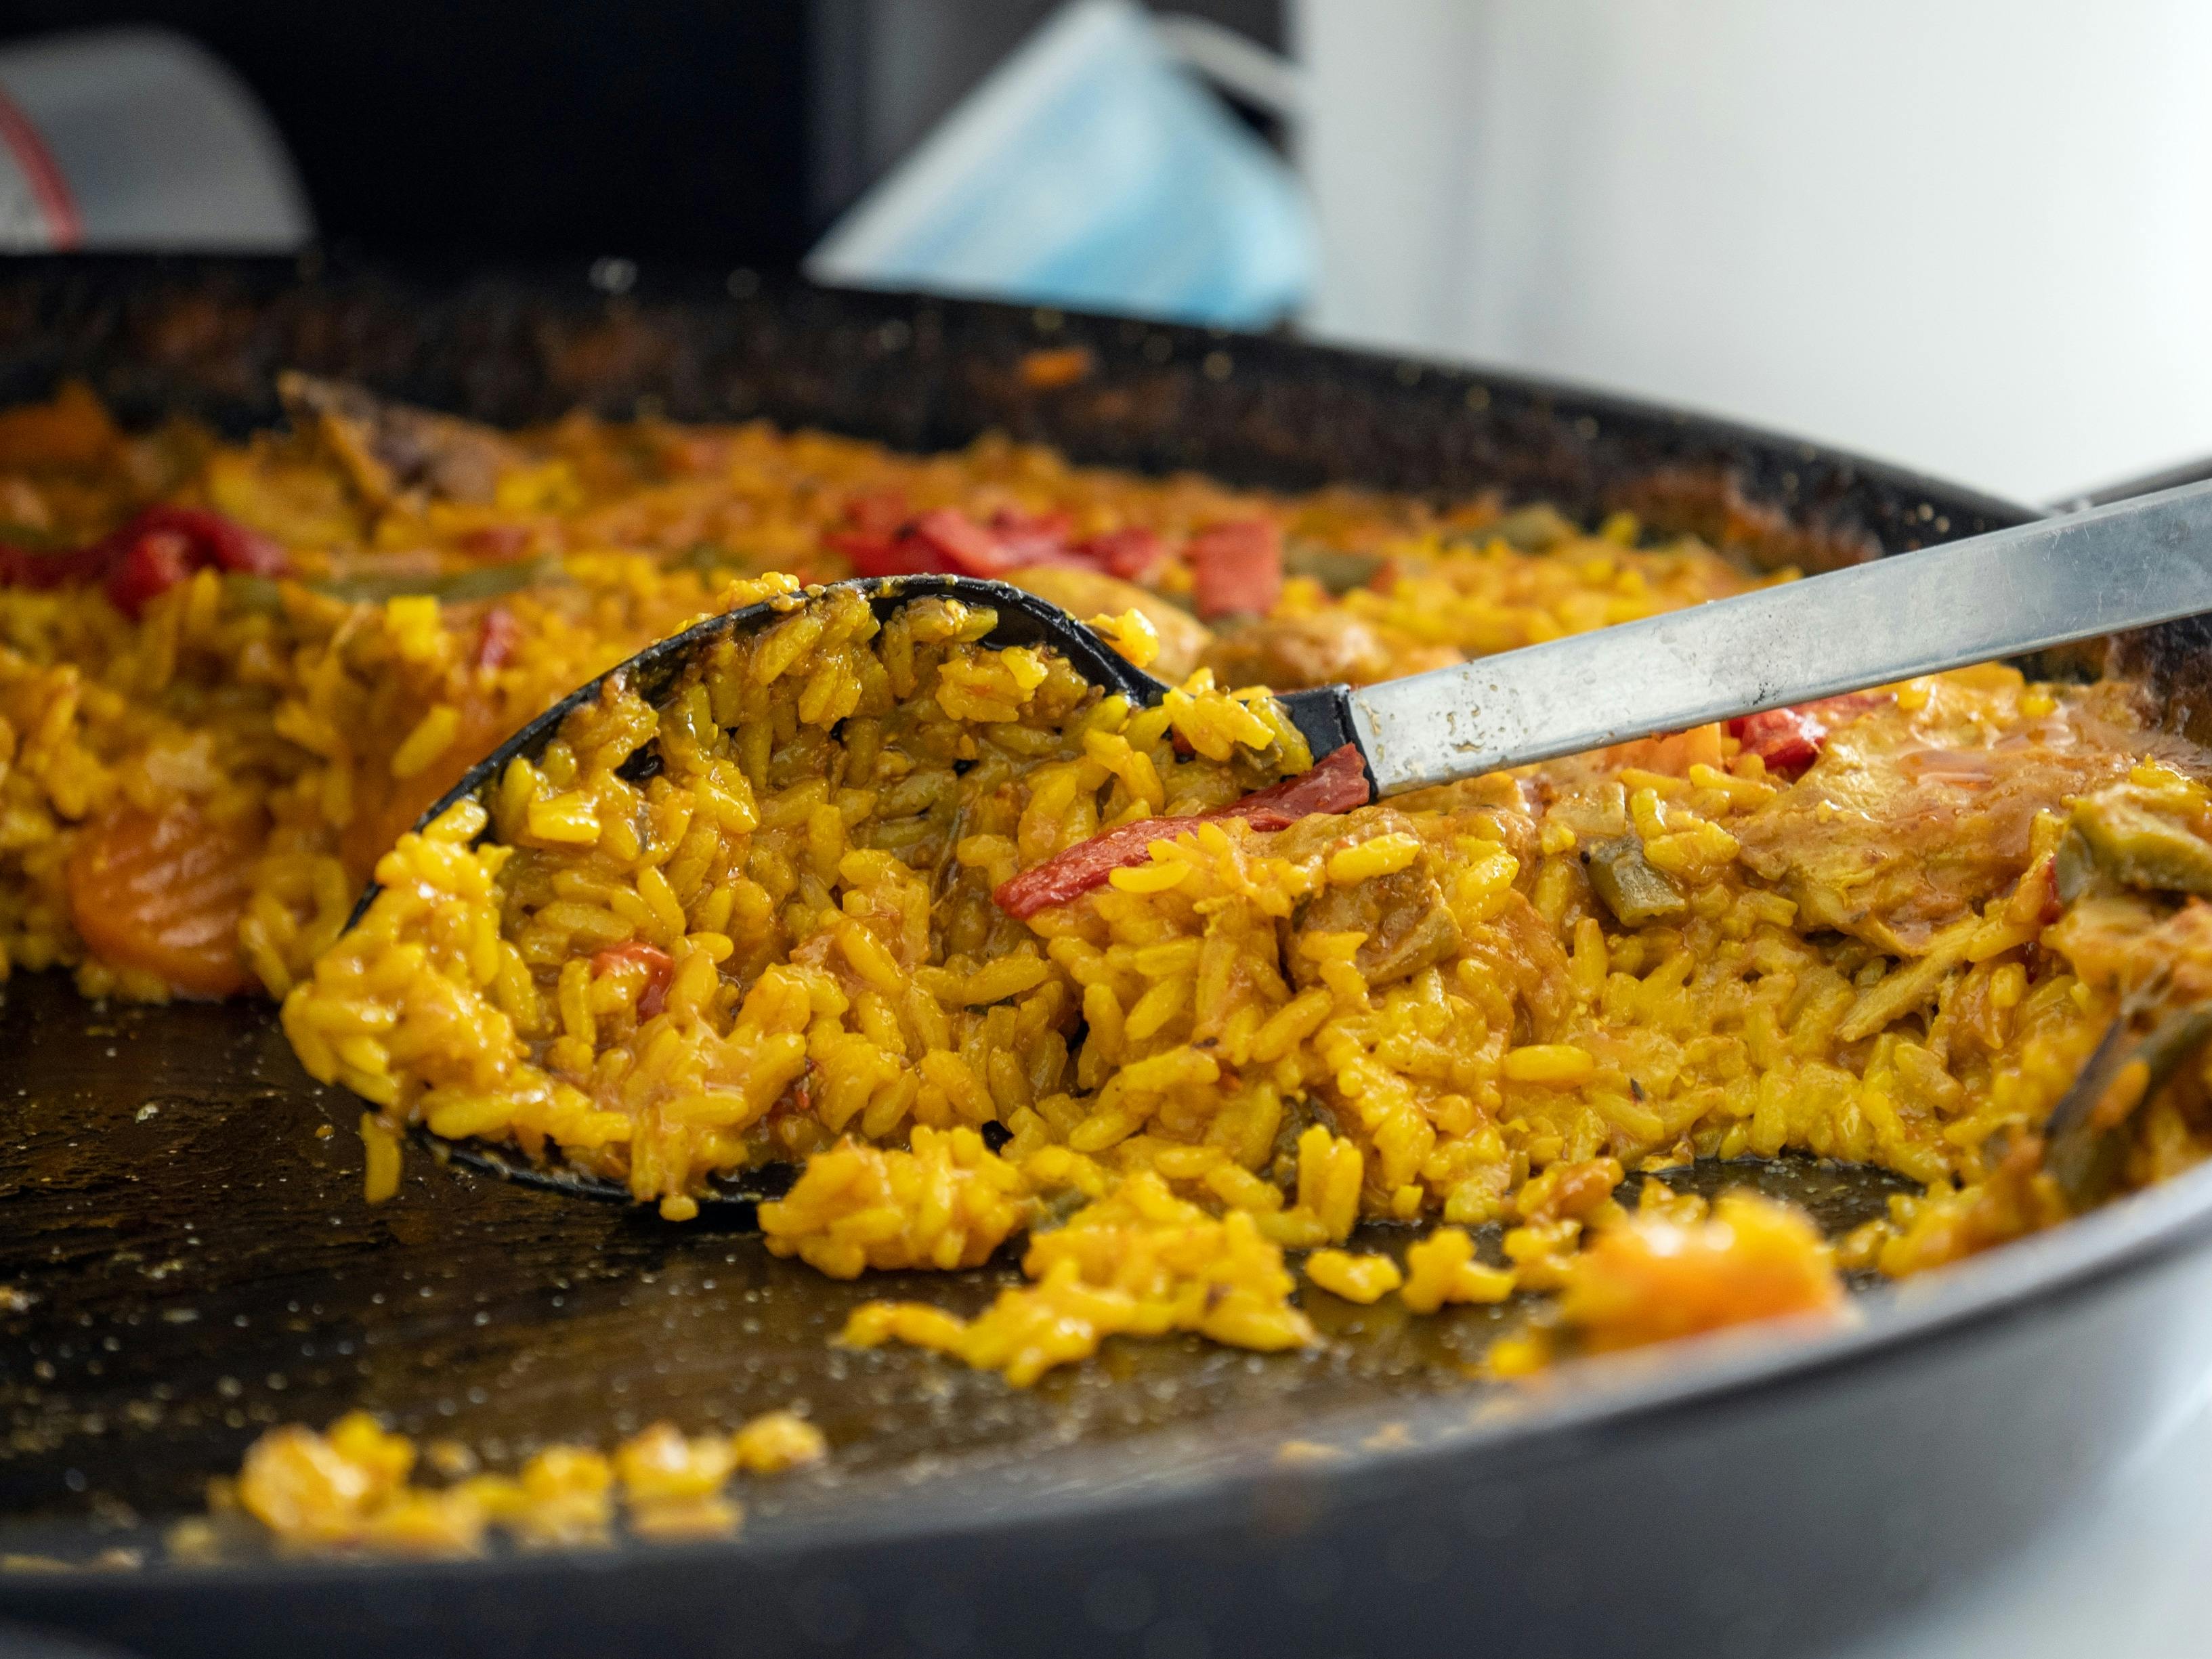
[1089, 171]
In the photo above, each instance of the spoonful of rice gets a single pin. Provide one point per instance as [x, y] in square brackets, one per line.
[811, 871]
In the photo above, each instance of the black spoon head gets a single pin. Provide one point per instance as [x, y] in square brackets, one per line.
[1023, 618]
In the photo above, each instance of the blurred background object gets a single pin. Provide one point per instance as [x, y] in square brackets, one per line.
[1091, 170]
[138, 138]
[691, 129]
[1972, 235]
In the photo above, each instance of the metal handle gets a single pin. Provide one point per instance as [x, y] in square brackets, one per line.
[2141, 562]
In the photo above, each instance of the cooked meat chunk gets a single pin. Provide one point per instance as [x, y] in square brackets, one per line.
[1407, 923]
[387, 448]
[1903, 827]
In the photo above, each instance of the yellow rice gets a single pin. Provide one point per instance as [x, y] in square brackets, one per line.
[352, 1487]
[1429, 1012]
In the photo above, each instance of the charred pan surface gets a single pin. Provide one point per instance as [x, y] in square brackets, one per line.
[210, 336]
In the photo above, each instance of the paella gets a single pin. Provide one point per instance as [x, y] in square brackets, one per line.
[1148, 997]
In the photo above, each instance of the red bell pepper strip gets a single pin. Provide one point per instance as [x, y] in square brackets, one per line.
[220, 541]
[945, 541]
[660, 968]
[1338, 783]
[153, 561]
[1132, 554]
[1236, 566]
[1010, 541]
[153, 553]
[877, 512]
[1791, 740]
[960, 544]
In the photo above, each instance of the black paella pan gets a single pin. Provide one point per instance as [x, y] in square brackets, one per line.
[185, 1261]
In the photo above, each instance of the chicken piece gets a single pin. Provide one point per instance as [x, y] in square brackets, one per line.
[1407, 923]
[1289, 653]
[1184, 640]
[2136, 836]
[1903, 826]
[387, 448]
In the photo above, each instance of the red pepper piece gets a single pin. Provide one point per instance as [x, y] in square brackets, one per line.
[660, 968]
[872, 555]
[1786, 740]
[497, 636]
[164, 545]
[878, 543]
[1336, 784]
[877, 512]
[1791, 740]
[1028, 539]
[1011, 541]
[963, 544]
[1132, 554]
[223, 544]
[153, 561]
[944, 541]
[1236, 566]
[153, 553]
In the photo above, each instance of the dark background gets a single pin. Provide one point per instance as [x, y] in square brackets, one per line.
[701, 130]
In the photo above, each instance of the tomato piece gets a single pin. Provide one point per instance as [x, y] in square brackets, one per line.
[1336, 784]
[1236, 566]
[163, 892]
[1133, 553]
[660, 968]
[1789, 740]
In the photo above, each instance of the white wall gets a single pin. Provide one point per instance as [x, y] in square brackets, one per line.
[1974, 236]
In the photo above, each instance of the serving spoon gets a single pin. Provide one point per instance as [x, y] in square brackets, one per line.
[2052, 582]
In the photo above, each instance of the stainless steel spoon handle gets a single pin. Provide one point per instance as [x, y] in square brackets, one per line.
[2130, 565]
